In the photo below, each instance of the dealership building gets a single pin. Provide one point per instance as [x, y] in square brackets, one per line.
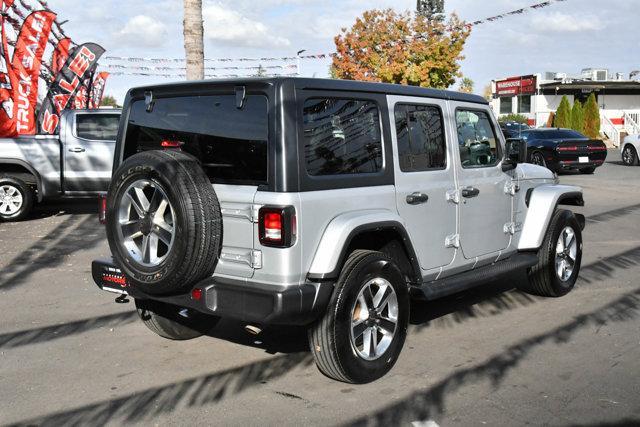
[537, 96]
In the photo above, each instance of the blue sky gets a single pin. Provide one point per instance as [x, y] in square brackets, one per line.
[565, 37]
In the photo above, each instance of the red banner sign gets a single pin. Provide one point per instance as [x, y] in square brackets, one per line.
[27, 59]
[7, 124]
[513, 86]
[60, 55]
[97, 90]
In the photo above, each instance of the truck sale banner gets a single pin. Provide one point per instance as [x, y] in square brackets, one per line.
[60, 55]
[27, 60]
[80, 65]
[97, 90]
[7, 124]
[81, 100]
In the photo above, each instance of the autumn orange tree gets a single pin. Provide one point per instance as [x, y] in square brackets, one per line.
[404, 48]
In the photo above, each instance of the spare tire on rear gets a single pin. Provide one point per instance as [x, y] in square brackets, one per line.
[164, 224]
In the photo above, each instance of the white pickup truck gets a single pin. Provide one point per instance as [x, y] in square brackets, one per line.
[74, 164]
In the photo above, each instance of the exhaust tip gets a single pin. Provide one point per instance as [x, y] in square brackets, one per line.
[253, 329]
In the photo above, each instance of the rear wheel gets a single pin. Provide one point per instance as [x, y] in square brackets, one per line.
[16, 199]
[587, 171]
[173, 322]
[538, 159]
[359, 338]
[630, 155]
[559, 257]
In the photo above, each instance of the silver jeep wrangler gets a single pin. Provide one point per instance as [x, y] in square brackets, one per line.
[324, 203]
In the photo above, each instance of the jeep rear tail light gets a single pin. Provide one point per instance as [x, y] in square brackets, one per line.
[102, 208]
[171, 144]
[277, 226]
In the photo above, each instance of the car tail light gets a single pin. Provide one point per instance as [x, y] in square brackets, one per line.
[167, 143]
[102, 208]
[196, 294]
[277, 226]
[597, 148]
[568, 148]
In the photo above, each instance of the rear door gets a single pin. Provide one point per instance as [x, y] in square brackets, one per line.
[88, 147]
[485, 203]
[424, 173]
[231, 145]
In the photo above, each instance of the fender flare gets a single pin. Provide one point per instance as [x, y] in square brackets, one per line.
[30, 168]
[331, 252]
[542, 202]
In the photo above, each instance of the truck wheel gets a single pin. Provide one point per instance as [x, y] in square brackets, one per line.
[16, 199]
[587, 171]
[359, 338]
[164, 224]
[173, 322]
[559, 257]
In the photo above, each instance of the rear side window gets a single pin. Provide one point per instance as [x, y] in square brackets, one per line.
[421, 140]
[97, 127]
[341, 137]
[231, 143]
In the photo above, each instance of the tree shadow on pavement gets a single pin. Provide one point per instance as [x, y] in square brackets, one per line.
[430, 403]
[193, 392]
[73, 234]
[64, 207]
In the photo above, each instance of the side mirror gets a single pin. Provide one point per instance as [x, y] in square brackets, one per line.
[516, 152]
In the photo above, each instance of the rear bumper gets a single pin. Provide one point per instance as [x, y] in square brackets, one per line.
[572, 161]
[249, 302]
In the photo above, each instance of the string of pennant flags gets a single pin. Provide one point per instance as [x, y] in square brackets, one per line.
[148, 68]
[209, 76]
[490, 19]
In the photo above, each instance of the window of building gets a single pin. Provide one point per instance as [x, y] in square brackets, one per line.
[477, 139]
[97, 127]
[524, 104]
[506, 105]
[342, 136]
[421, 138]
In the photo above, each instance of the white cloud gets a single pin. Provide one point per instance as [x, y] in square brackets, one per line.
[230, 27]
[560, 22]
[143, 30]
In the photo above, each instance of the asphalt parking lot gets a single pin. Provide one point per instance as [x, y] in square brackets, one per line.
[70, 355]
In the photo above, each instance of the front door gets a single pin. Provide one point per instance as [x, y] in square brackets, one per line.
[485, 205]
[424, 172]
[89, 144]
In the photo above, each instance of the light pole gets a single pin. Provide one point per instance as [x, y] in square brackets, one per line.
[298, 61]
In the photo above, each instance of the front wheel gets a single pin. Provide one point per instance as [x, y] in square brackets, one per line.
[559, 257]
[173, 322]
[359, 338]
[16, 199]
[629, 156]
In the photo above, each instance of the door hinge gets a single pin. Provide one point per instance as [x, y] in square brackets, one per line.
[511, 188]
[453, 196]
[512, 227]
[452, 241]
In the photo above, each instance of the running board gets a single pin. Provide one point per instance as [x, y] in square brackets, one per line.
[470, 279]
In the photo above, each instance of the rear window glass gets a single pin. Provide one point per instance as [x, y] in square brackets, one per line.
[555, 134]
[341, 137]
[97, 127]
[231, 143]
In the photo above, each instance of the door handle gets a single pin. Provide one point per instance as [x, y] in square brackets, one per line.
[417, 198]
[469, 192]
[77, 150]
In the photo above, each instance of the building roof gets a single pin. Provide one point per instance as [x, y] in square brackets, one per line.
[593, 85]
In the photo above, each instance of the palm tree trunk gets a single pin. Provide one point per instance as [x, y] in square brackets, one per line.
[193, 39]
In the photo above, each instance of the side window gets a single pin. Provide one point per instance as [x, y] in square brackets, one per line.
[341, 137]
[97, 127]
[479, 146]
[421, 139]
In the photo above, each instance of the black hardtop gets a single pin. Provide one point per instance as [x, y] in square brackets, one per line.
[311, 84]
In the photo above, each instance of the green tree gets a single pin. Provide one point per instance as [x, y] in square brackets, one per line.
[518, 118]
[466, 85]
[592, 118]
[109, 101]
[563, 115]
[402, 48]
[577, 117]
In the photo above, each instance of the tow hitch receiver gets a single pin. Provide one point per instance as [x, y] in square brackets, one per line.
[109, 278]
